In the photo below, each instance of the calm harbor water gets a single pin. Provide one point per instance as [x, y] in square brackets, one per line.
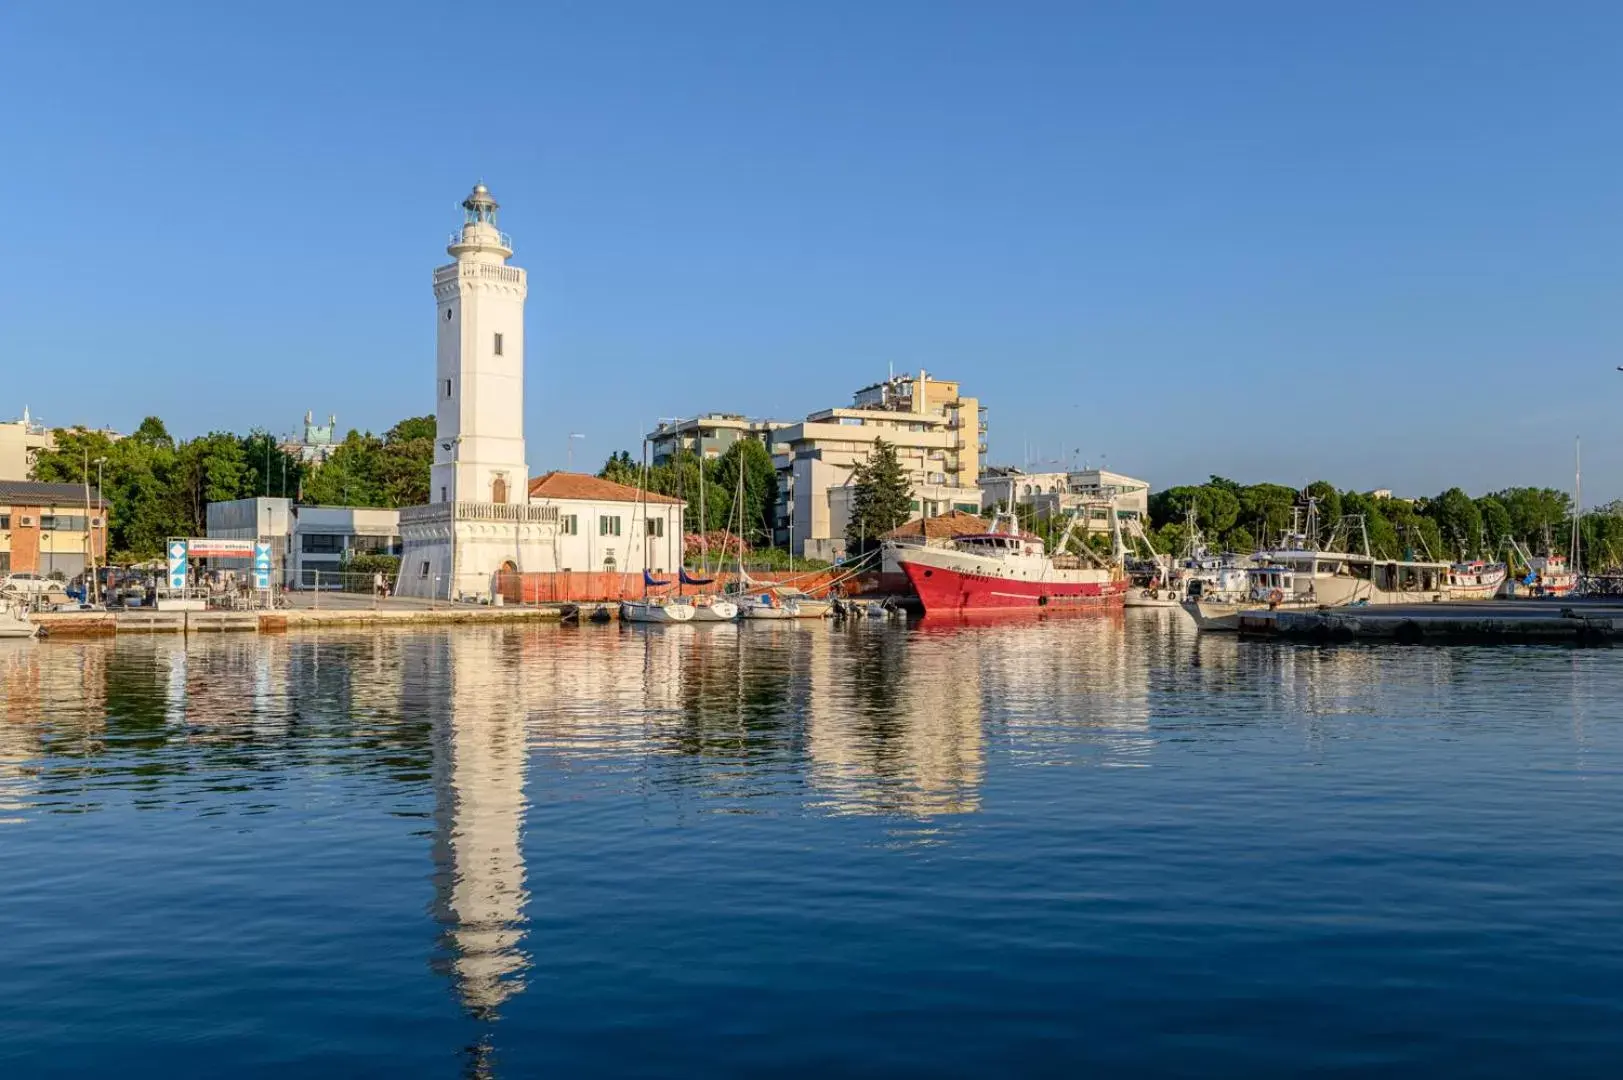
[1097, 845]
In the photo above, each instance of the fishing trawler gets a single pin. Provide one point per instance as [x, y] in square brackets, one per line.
[1006, 569]
[1299, 573]
[1474, 580]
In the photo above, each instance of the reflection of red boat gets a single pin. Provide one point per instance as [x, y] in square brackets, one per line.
[1005, 571]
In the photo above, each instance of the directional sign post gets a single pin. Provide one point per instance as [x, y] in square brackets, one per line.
[262, 564]
[177, 564]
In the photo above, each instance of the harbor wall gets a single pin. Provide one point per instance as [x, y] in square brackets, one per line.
[591, 586]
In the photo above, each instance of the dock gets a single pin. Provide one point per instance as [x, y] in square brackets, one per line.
[80, 624]
[1498, 622]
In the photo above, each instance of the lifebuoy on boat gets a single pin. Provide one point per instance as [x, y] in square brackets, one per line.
[1275, 596]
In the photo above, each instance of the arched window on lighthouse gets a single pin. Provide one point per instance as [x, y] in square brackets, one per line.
[498, 490]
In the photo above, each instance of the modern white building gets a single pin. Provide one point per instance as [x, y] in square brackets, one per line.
[1092, 492]
[310, 543]
[479, 520]
[608, 527]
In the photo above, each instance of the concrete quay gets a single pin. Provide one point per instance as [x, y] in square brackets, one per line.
[1497, 622]
[78, 624]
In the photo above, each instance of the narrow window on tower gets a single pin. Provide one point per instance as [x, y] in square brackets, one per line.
[447, 387]
[498, 344]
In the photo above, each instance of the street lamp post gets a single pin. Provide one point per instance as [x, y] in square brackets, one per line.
[101, 505]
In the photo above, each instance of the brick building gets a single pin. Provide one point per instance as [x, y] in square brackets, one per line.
[50, 529]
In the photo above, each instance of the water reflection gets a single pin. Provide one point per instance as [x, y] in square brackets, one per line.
[476, 731]
[478, 699]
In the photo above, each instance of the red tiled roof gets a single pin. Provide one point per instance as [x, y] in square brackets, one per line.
[944, 527]
[569, 485]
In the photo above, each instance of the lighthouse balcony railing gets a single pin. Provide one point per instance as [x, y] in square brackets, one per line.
[519, 513]
[506, 241]
[492, 271]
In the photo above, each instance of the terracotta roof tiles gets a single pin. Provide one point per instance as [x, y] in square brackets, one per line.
[944, 527]
[580, 486]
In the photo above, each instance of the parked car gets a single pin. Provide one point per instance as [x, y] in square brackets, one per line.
[26, 585]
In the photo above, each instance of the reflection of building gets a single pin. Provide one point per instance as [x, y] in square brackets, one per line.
[1091, 492]
[921, 750]
[48, 529]
[478, 766]
[938, 436]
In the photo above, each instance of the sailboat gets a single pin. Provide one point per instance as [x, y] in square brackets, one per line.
[707, 607]
[652, 609]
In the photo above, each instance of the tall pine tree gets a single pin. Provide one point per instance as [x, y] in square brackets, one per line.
[882, 498]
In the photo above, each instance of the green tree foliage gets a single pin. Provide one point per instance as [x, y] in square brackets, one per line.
[406, 462]
[684, 475]
[1495, 521]
[881, 498]
[751, 457]
[621, 469]
[1447, 526]
[392, 471]
[1217, 507]
[1459, 523]
[1535, 512]
[159, 487]
[1265, 511]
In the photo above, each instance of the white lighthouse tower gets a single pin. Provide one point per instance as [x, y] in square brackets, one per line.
[479, 455]
[479, 520]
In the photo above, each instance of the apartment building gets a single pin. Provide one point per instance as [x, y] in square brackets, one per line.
[707, 436]
[20, 440]
[939, 436]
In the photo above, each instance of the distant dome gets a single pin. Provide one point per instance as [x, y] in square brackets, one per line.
[480, 199]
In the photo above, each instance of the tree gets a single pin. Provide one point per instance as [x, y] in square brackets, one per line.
[1265, 509]
[1459, 522]
[1495, 521]
[760, 484]
[881, 498]
[406, 462]
[621, 469]
[350, 475]
[1536, 514]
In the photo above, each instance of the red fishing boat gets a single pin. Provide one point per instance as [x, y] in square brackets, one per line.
[1006, 569]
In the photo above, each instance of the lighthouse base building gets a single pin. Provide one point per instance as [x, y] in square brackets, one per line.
[480, 521]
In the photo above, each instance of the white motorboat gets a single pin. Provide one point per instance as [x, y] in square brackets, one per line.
[15, 623]
[765, 605]
[657, 610]
[1153, 595]
[708, 609]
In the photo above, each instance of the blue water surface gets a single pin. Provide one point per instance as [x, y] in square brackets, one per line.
[1098, 845]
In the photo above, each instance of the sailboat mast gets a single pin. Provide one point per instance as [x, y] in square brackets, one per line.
[1577, 504]
[643, 540]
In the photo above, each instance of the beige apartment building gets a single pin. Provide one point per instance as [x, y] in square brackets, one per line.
[20, 440]
[939, 436]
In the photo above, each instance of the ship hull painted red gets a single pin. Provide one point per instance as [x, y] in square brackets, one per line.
[941, 589]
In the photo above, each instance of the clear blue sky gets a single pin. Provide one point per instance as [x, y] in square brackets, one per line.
[1380, 244]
